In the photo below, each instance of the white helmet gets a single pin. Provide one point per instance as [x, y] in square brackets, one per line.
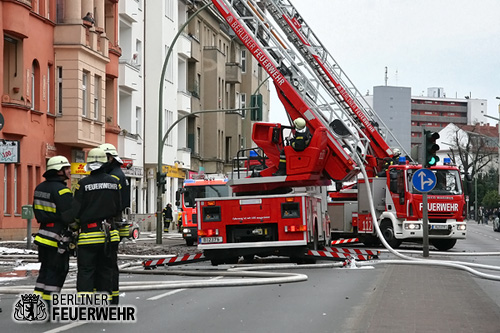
[95, 159]
[396, 152]
[57, 163]
[111, 150]
[299, 123]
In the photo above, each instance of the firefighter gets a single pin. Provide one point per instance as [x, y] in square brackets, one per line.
[98, 197]
[52, 205]
[114, 169]
[299, 142]
[167, 218]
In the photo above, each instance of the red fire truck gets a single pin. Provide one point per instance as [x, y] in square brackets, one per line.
[185, 198]
[285, 214]
[398, 206]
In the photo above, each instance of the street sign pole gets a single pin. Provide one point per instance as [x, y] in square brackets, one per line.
[425, 225]
[424, 180]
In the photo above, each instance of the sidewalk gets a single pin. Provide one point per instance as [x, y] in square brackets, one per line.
[428, 299]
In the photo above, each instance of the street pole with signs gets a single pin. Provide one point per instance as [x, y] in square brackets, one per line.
[424, 180]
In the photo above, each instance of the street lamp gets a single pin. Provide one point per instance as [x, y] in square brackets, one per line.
[161, 143]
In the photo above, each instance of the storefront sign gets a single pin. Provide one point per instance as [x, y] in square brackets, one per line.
[79, 169]
[9, 151]
[173, 171]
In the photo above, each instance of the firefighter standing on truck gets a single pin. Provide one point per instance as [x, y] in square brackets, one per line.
[300, 141]
[52, 205]
[114, 169]
[98, 196]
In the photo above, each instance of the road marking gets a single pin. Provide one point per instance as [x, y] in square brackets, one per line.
[172, 292]
[66, 327]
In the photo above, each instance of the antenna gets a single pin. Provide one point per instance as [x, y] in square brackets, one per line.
[386, 75]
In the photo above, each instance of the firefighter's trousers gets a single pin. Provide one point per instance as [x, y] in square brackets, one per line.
[115, 281]
[53, 270]
[95, 269]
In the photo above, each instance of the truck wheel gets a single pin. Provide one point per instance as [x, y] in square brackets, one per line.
[443, 244]
[371, 241]
[388, 233]
[189, 242]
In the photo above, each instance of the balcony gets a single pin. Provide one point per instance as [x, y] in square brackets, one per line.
[184, 101]
[129, 10]
[184, 46]
[129, 77]
[184, 158]
[195, 50]
[233, 73]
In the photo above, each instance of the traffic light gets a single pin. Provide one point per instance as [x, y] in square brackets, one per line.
[430, 149]
[161, 180]
[256, 101]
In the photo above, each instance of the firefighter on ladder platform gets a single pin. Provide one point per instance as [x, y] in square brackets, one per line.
[98, 196]
[299, 142]
[52, 207]
[114, 169]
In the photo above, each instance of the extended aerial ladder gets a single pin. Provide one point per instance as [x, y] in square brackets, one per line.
[311, 85]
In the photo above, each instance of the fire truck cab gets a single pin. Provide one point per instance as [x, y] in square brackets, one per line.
[185, 199]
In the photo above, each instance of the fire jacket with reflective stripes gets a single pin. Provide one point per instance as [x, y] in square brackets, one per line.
[98, 196]
[52, 205]
[115, 170]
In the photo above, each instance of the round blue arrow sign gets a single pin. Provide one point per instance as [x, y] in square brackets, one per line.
[424, 180]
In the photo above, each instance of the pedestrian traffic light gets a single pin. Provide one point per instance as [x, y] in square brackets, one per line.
[256, 102]
[161, 181]
[430, 149]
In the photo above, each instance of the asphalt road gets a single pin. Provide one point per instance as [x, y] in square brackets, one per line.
[381, 298]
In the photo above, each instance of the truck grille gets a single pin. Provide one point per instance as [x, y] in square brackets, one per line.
[252, 233]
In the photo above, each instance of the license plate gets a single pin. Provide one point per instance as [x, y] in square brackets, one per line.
[208, 240]
[439, 226]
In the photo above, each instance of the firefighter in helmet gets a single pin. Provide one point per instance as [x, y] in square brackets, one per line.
[300, 141]
[113, 168]
[52, 204]
[98, 196]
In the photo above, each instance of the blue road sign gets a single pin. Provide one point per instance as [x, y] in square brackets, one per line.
[424, 180]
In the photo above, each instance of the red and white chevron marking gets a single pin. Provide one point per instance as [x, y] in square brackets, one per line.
[353, 251]
[174, 260]
[345, 241]
[328, 254]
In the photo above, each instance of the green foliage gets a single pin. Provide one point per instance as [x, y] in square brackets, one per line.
[491, 199]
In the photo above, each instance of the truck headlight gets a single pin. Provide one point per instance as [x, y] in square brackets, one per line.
[461, 227]
[412, 226]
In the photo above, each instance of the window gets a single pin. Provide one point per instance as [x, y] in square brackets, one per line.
[168, 117]
[243, 61]
[35, 86]
[5, 189]
[84, 94]
[169, 9]
[49, 91]
[97, 97]
[59, 90]
[16, 190]
[243, 103]
[138, 121]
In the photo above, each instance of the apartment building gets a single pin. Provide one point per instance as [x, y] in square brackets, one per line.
[59, 93]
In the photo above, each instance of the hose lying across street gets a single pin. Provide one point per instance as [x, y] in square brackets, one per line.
[244, 275]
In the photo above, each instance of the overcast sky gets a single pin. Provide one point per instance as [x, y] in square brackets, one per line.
[453, 44]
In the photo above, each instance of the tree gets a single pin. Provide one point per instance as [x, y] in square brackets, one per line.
[491, 199]
[475, 151]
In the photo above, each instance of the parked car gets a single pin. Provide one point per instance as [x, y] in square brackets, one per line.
[496, 224]
[134, 230]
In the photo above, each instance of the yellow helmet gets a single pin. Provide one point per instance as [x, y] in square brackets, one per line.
[111, 150]
[95, 159]
[299, 123]
[57, 163]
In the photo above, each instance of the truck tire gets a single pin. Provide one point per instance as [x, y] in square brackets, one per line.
[443, 244]
[370, 240]
[389, 235]
[189, 242]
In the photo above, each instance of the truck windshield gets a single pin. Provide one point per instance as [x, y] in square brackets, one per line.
[448, 182]
[203, 191]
